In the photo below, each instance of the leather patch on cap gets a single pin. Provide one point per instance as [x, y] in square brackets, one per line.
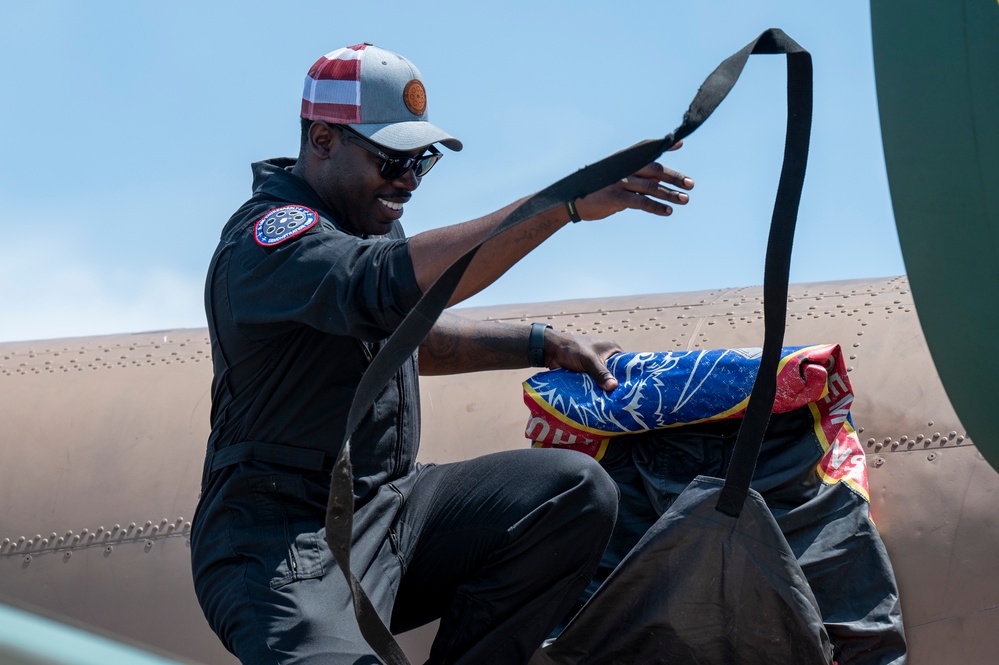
[415, 97]
[283, 223]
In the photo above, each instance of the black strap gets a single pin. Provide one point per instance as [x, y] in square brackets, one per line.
[414, 328]
[776, 271]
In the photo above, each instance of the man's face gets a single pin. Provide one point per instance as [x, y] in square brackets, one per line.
[352, 187]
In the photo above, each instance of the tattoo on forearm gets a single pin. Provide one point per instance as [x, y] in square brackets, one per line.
[460, 346]
[532, 233]
[441, 347]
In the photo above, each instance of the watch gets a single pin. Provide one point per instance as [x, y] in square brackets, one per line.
[536, 344]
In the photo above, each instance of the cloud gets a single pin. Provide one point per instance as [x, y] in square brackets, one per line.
[49, 290]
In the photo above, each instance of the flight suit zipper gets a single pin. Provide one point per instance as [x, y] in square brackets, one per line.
[400, 422]
[393, 536]
[365, 350]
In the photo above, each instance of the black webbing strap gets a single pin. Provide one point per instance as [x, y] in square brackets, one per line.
[775, 277]
[411, 332]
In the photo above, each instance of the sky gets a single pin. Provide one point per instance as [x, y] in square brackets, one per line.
[128, 128]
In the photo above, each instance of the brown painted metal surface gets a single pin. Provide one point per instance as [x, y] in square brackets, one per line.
[102, 440]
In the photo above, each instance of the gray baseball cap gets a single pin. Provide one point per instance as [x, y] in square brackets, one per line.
[380, 94]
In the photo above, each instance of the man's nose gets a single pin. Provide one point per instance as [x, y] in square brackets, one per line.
[408, 180]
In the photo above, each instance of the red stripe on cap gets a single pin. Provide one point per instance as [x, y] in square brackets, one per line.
[336, 70]
[334, 113]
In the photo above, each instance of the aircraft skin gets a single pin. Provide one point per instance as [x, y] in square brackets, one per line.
[103, 440]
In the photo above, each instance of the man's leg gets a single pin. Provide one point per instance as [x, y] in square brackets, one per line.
[499, 547]
[268, 583]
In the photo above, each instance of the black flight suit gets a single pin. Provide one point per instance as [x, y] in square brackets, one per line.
[497, 547]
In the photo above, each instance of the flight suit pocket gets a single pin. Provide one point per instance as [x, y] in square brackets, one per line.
[278, 527]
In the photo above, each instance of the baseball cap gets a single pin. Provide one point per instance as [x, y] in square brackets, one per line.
[380, 94]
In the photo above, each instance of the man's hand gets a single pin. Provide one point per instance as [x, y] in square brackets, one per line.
[581, 354]
[640, 191]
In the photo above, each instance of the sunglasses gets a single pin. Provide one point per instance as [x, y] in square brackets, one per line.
[394, 167]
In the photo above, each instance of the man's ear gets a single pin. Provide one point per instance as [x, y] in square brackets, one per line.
[323, 140]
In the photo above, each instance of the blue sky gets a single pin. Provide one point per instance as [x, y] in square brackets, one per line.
[127, 132]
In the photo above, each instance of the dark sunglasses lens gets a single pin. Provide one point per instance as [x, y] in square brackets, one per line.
[393, 168]
[396, 167]
[424, 164]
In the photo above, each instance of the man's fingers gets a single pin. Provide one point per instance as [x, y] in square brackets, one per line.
[651, 189]
[658, 172]
[641, 193]
[599, 372]
[598, 365]
[607, 382]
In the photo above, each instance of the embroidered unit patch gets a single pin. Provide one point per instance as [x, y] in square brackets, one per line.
[282, 223]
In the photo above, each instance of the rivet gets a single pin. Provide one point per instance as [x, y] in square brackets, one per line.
[952, 434]
[887, 439]
[27, 559]
[960, 439]
[919, 437]
[68, 555]
[931, 456]
[149, 544]
[109, 549]
[878, 461]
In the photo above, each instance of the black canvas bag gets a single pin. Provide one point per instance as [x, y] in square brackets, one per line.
[826, 528]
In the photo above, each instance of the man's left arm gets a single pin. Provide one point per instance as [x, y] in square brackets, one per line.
[456, 345]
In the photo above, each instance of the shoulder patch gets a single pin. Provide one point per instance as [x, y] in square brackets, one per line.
[283, 223]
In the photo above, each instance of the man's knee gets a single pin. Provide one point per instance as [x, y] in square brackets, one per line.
[588, 492]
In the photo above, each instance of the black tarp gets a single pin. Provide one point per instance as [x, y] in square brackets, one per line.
[803, 567]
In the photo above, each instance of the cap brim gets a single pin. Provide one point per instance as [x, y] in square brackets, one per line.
[406, 136]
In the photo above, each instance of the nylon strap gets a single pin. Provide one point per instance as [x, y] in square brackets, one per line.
[414, 328]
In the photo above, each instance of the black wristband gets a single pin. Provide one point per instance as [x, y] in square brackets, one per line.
[536, 344]
[573, 214]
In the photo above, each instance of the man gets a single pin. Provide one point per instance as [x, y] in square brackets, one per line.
[311, 275]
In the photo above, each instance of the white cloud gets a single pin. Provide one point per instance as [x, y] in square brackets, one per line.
[49, 290]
